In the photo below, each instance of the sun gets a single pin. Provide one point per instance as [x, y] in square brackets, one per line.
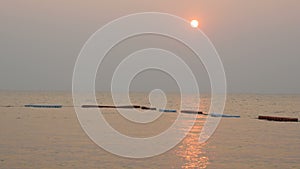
[194, 23]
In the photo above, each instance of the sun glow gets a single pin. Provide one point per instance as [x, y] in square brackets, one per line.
[194, 23]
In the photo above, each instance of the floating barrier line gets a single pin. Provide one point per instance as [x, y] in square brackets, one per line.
[270, 118]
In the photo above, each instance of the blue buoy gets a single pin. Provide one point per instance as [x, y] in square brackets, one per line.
[43, 106]
[167, 110]
[224, 115]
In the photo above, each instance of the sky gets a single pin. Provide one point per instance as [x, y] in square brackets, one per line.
[258, 41]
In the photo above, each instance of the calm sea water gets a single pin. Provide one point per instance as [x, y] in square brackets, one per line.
[53, 138]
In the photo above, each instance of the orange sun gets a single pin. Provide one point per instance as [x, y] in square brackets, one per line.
[194, 23]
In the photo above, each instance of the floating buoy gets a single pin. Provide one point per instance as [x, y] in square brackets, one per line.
[43, 106]
[129, 107]
[191, 112]
[106, 106]
[224, 115]
[148, 108]
[96, 106]
[273, 118]
[167, 110]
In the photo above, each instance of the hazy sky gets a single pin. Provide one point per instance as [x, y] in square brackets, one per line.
[258, 40]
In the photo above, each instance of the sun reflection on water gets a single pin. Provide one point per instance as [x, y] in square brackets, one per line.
[191, 151]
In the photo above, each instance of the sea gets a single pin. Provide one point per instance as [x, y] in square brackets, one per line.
[54, 138]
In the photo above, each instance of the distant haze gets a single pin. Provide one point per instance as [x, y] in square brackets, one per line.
[258, 41]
